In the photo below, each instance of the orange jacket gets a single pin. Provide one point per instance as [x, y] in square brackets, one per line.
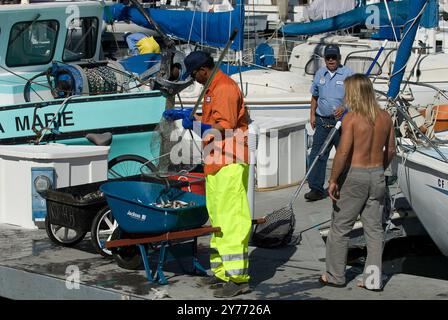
[224, 104]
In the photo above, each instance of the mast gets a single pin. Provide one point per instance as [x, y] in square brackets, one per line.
[404, 50]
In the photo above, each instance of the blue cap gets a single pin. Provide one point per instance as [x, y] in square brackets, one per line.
[195, 60]
[332, 49]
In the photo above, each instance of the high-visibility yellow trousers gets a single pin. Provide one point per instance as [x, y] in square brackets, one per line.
[228, 208]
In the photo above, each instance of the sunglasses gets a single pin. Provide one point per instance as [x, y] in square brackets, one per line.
[331, 57]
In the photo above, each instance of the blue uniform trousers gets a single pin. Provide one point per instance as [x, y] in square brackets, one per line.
[316, 179]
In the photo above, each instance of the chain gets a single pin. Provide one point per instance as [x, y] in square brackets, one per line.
[101, 80]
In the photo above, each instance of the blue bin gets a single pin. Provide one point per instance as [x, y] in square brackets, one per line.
[130, 202]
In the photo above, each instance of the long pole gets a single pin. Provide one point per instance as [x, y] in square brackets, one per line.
[214, 71]
[380, 51]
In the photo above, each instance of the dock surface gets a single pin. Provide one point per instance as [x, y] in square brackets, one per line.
[31, 267]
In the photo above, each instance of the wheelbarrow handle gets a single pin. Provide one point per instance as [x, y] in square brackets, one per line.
[259, 220]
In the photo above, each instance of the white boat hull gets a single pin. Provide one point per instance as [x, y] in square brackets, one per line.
[267, 93]
[423, 180]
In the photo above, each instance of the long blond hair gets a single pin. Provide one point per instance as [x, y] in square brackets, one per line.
[360, 97]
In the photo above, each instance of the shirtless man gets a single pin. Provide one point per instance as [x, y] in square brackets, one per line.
[367, 145]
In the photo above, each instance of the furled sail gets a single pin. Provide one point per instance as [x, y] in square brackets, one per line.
[404, 50]
[209, 28]
[360, 16]
[323, 9]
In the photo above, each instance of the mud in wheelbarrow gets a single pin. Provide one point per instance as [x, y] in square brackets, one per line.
[133, 206]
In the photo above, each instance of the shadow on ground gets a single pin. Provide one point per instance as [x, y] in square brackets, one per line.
[271, 278]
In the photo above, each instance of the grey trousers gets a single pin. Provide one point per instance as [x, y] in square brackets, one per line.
[362, 193]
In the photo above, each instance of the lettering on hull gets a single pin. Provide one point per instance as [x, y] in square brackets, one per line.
[25, 123]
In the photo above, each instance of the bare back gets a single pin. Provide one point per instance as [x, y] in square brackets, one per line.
[371, 143]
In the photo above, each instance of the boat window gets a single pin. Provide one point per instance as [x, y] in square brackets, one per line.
[81, 39]
[32, 43]
[314, 64]
[362, 64]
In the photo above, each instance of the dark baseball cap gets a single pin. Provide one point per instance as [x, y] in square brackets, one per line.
[195, 60]
[331, 50]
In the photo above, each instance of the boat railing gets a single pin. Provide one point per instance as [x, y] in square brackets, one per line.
[439, 92]
[388, 52]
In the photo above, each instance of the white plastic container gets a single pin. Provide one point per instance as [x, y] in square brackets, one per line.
[73, 165]
[281, 154]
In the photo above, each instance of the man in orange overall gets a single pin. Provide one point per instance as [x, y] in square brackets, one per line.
[223, 128]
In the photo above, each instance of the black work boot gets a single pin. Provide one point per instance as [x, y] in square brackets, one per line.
[213, 282]
[231, 289]
[314, 195]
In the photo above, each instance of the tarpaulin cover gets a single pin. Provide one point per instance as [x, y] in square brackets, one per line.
[209, 28]
[359, 16]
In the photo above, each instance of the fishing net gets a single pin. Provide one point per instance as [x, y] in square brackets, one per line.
[174, 148]
[277, 231]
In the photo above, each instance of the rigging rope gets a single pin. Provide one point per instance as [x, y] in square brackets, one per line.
[405, 35]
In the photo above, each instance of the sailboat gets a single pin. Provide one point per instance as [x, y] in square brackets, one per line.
[427, 63]
[267, 92]
[422, 158]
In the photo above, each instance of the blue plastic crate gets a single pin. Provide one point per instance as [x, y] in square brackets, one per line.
[131, 205]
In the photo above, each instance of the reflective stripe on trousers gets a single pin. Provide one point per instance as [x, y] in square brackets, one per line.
[228, 209]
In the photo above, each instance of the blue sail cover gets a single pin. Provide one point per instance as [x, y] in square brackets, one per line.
[404, 51]
[359, 16]
[209, 28]
[430, 17]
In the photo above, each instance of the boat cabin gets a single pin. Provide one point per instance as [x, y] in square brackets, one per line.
[33, 36]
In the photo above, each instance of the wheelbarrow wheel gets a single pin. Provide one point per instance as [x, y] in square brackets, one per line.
[103, 226]
[128, 165]
[63, 236]
[126, 257]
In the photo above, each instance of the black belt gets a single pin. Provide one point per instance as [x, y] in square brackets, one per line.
[327, 122]
[329, 117]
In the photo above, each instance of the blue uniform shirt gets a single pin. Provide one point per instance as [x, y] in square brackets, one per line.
[330, 90]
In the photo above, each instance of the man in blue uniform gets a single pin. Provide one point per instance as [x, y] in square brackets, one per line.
[327, 106]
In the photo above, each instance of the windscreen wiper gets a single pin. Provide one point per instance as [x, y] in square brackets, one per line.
[27, 27]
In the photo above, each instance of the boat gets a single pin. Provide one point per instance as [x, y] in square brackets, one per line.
[291, 97]
[427, 61]
[55, 85]
[56, 88]
[422, 155]
[423, 179]
[421, 166]
[267, 92]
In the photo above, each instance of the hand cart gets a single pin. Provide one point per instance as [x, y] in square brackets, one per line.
[146, 230]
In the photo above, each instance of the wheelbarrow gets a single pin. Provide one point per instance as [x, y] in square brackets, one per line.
[74, 211]
[146, 228]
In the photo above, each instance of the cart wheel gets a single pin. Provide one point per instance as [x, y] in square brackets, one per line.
[128, 165]
[62, 235]
[126, 257]
[103, 226]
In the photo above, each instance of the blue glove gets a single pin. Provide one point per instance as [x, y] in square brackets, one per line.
[187, 123]
[177, 113]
